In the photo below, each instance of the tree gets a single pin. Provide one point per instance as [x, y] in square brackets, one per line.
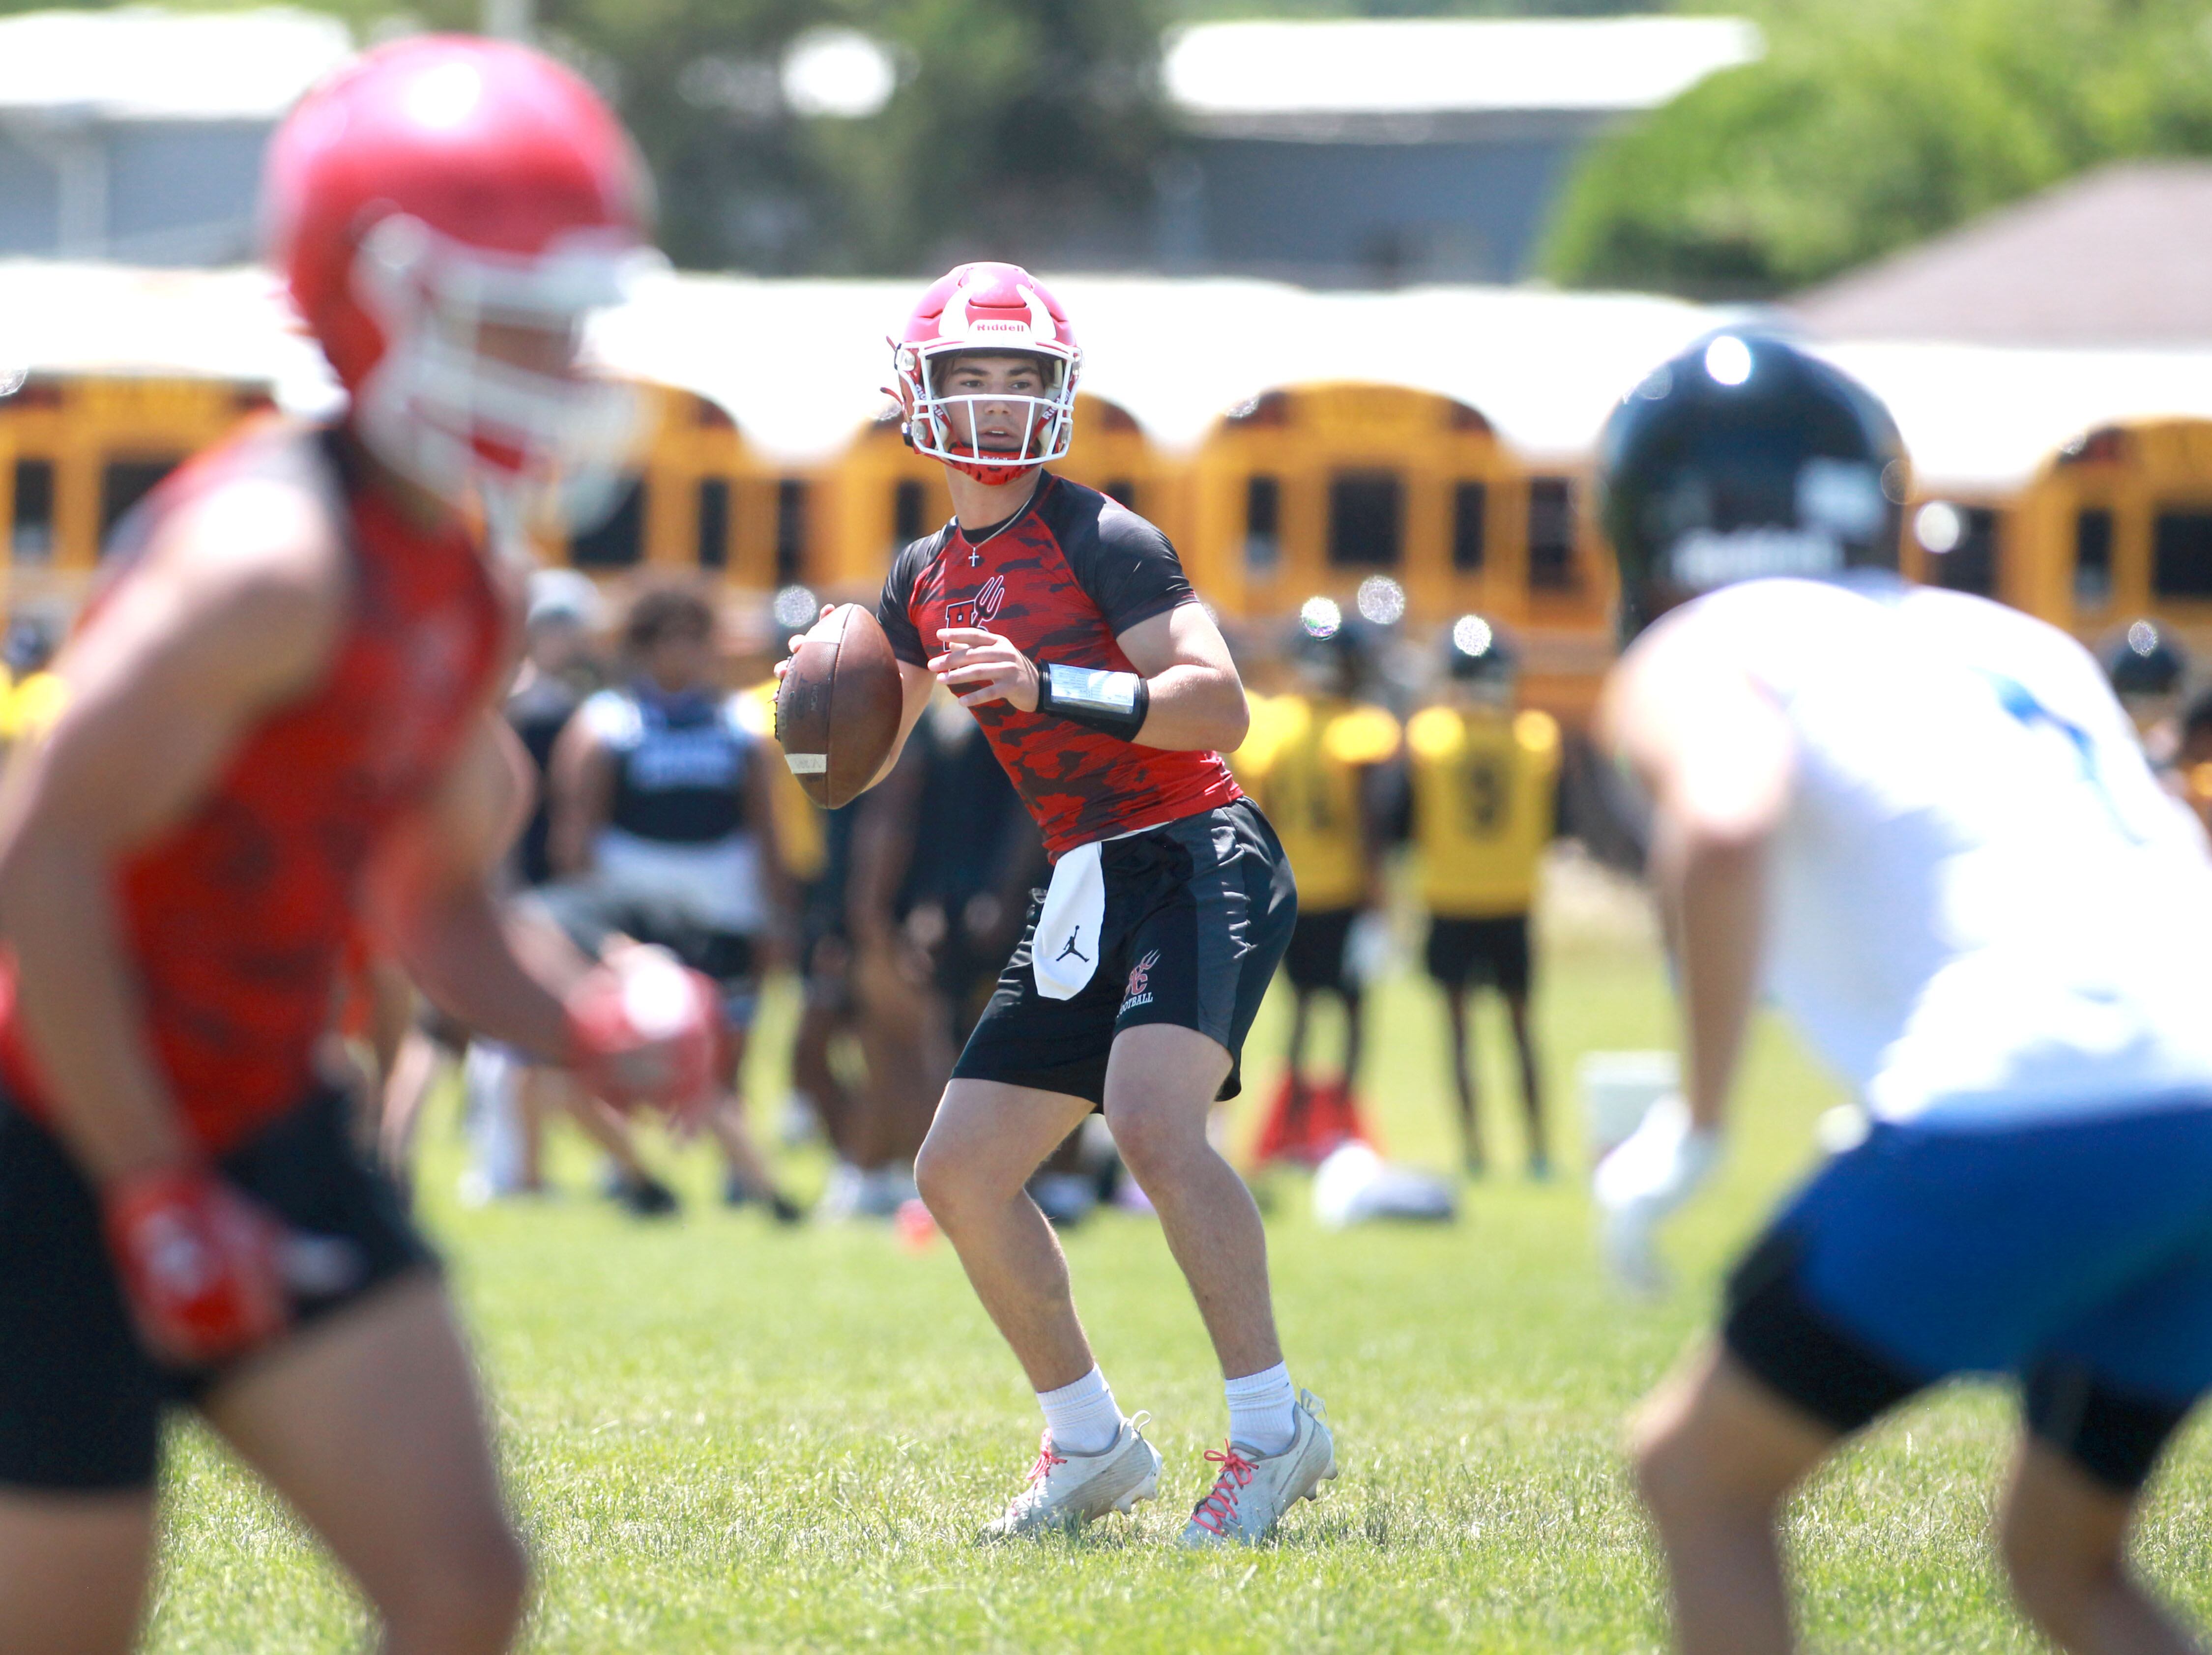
[1871, 124]
[1014, 125]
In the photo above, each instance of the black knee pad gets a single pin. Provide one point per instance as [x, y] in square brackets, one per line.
[1797, 1351]
[2113, 1436]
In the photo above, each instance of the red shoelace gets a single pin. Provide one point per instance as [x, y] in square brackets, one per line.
[1214, 1512]
[1046, 1460]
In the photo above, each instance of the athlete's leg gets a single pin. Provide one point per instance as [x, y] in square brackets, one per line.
[1463, 1073]
[73, 1570]
[1355, 1007]
[1716, 1454]
[1532, 1085]
[726, 1119]
[1294, 1064]
[2064, 1537]
[407, 1084]
[602, 1122]
[370, 1426]
[1160, 1084]
[987, 1139]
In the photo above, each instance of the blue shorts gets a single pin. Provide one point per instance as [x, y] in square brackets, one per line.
[2076, 1254]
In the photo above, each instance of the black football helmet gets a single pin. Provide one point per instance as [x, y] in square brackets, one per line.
[1330, 643]
[1475, 651]
[2145, 661]
[1743, 457]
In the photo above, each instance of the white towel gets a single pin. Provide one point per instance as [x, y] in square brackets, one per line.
[1065, 951]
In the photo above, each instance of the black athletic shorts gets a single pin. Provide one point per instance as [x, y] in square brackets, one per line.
[81, 1399]
[1494, 950]
[1315, 959]
[1198, 912]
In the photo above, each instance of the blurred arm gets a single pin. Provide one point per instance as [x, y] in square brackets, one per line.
[1714, 754]
[433, 898]
[579, 791]
[234, 613]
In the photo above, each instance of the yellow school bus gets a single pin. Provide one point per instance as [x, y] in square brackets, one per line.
[1315, 488]
[78, 451]
[2118, 524]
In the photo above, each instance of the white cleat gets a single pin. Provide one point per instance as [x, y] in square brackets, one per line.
[1251, 1494]
[1066, 1491]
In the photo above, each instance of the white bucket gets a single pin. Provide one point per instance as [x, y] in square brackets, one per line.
[1618, 1089]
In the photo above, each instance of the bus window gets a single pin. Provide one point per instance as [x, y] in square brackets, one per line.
[2092, 558]
[1469, 502]
[125, 482]
[910, 501]
[790, 530]
[713, 523]
[1551, 535]
[1263, 514]
[619, 541]
[1964, 542]
[2181, 554]
[32, 540]
[1366, 514]
[1121, 489]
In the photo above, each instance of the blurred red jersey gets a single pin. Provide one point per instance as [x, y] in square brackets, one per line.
[237, 918]
[1060, 581]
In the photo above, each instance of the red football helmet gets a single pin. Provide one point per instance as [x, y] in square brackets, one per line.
[1003, 310]
[438, 187]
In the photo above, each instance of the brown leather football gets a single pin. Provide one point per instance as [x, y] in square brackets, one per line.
[837, 711]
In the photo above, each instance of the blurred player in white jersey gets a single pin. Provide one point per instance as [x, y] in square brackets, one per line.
[1921, 824]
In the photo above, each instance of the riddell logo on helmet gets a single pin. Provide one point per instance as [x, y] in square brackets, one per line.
[1139, 991]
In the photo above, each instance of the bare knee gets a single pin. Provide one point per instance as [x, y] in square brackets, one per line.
[1663, 1454]
[956, 1186]
[466, 1595]
[1152, 1143]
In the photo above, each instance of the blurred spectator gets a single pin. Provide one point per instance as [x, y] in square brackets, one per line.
[35, 693]
[1316, 761]
[663, 827]
[2150, 671]
[943, 861]
[1483, 778]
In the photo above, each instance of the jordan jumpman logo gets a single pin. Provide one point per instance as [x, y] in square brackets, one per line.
[1072, 948]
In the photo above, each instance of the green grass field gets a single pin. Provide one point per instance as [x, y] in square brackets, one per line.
[723, 1438]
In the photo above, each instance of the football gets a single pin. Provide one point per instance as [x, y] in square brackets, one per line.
[837, 711]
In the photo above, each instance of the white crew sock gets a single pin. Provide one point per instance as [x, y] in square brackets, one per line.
[1263, 1410]
[1082, 1418]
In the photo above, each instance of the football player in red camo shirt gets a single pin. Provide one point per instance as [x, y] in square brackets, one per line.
[283, 712]
[1064, 622]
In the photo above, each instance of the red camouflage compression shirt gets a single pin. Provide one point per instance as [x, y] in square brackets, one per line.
[1060, 582]
[236, 919]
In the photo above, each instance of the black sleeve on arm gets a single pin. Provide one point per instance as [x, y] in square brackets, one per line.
[1125, 564]
[895, 609]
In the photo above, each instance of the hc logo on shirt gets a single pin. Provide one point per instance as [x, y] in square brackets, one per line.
[981, 609]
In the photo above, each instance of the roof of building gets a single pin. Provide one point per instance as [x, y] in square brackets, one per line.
[1295, 79]
[2120, 256]
[139, 62]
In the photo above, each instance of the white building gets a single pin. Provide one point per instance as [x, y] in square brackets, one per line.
[1372, 153]
[137, 133]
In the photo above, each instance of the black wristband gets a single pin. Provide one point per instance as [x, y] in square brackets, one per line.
[1115, 702]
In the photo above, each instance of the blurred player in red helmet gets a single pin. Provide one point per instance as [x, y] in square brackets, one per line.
[1065, 623]
[282, 715]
